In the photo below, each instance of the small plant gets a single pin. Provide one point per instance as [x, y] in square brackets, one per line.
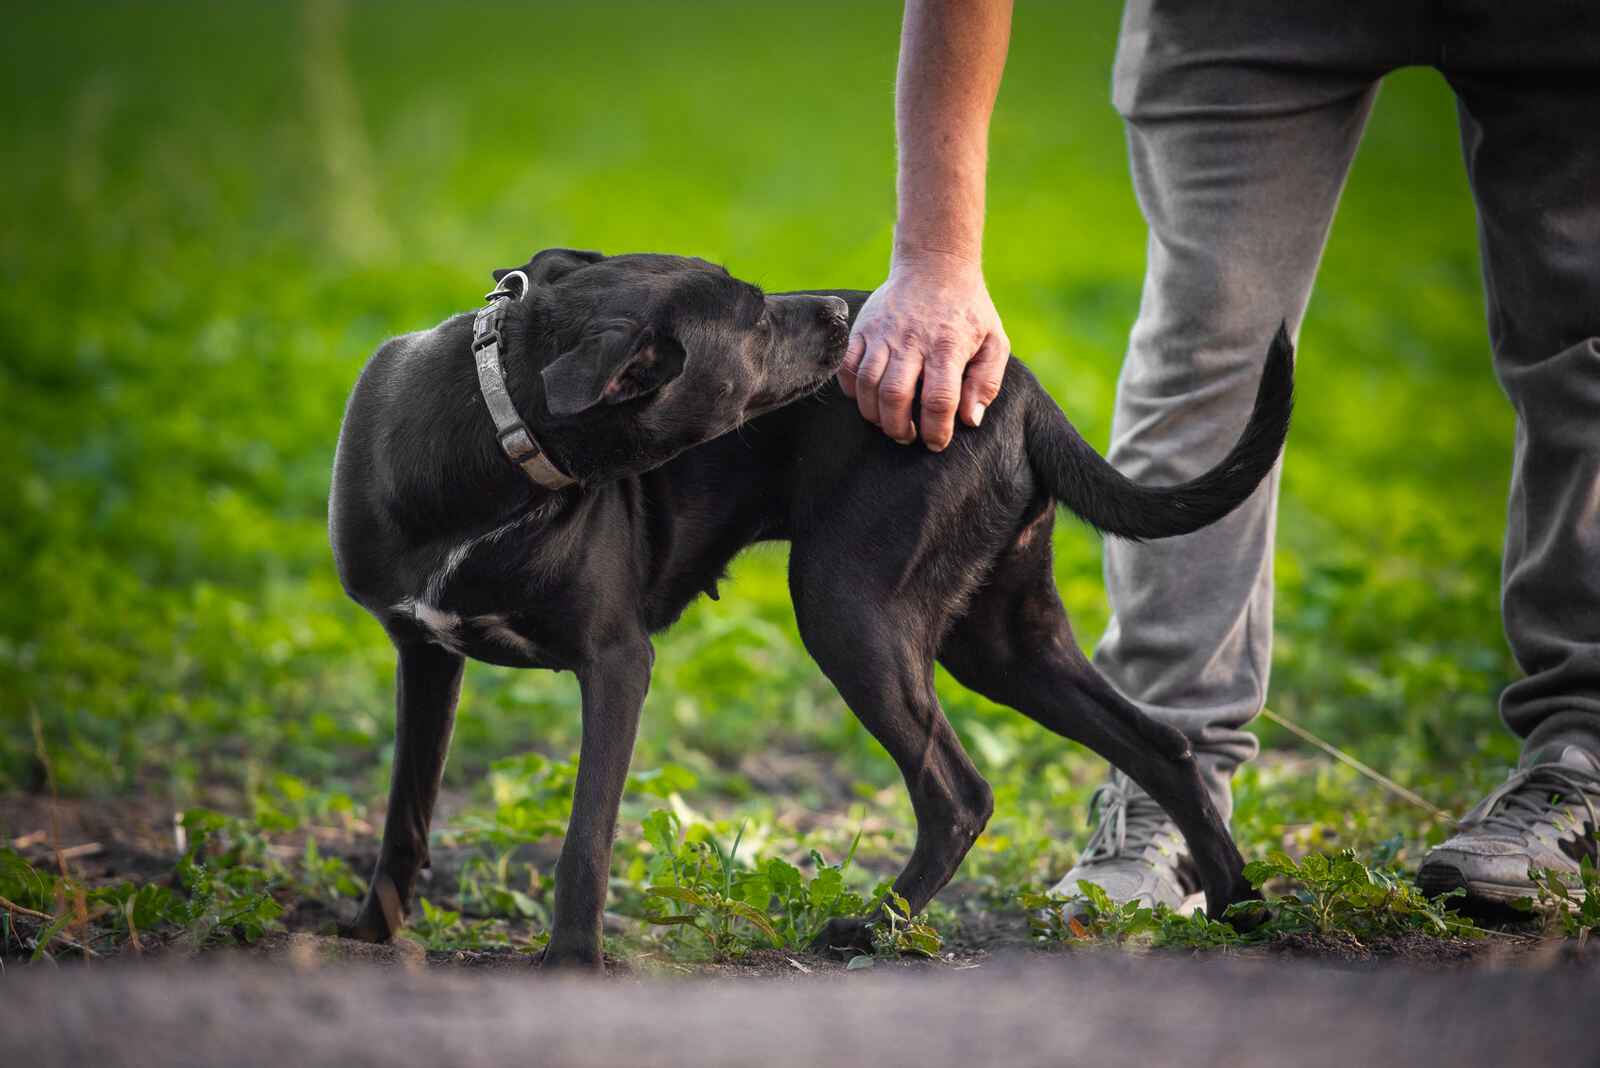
[1329, 894]
[326, 878]
[228, 898]
[694, 885]
[1336, 892]
[1096, 917]
[1195, 931]
[485, 888]
[225, 897]
[804, 906]
[441, 929]
[896, 933]
[1576, 908]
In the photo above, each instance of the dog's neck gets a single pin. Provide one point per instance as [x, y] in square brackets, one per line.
[512, 432]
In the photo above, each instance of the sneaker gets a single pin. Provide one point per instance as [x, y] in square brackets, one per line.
[1544, 817]
[1134, 854]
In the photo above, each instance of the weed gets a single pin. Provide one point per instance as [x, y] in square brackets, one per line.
[694, 885]
[1325, 894]
[1096, 917]
[228, 898]
[896, 933]
[225, 897]
[485, 888]
[1574, 904]
[697, 885]
[1336, 892]
[325, 878]
[804, 906]
[443, 929]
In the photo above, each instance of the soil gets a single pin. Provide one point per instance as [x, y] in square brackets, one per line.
[303, 996]
[112, 840]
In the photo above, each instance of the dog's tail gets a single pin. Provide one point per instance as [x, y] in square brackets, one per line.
[1081, 479]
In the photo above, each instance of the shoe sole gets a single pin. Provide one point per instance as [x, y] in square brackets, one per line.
[1483, 898]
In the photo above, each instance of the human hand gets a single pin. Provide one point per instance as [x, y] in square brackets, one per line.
[931, 320]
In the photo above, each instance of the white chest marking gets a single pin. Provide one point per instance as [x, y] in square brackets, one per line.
[446, 628]
[443, 627]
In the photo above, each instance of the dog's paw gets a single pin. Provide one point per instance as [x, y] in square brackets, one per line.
[365, 929]
[844, 938]
[1247, 911]
[570, 961]
[381, 913]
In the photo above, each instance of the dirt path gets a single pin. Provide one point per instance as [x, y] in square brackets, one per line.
[1069, 1009]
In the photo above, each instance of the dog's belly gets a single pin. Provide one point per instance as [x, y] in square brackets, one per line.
[495, 638]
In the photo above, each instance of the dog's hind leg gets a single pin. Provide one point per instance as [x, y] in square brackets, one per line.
[880, 659]
[1015, 646]
[427, 684]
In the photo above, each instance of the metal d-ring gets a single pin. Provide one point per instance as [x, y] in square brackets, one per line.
[500, 289]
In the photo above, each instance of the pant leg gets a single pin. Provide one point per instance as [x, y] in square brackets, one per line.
[1242, 121]
[1527, 80]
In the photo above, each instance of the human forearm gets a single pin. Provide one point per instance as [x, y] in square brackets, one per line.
[932, 320]
[952, 55]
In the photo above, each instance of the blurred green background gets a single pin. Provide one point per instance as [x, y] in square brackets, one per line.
[213, 214]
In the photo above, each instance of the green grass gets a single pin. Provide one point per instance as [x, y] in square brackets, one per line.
[213, 214]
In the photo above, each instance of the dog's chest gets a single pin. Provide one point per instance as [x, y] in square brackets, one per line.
[473, 604]
[493, 637]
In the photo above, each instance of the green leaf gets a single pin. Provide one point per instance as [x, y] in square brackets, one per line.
[681, 894]
[660, 830]
[783, 877]
[826, 887]
[756, 919]
[46, 936]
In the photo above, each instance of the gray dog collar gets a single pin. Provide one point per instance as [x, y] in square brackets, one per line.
[516, 440]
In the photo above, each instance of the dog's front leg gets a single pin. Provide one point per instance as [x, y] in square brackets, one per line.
[427, 684]
[614, 685]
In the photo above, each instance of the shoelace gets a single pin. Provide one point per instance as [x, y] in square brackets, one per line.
[1128, 817]
[1532, 795]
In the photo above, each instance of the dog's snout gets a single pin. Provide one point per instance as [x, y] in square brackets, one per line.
[834, 310]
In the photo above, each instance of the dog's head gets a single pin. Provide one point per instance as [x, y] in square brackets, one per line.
[642, 356]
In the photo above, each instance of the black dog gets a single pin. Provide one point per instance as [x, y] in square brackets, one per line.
[631, 371]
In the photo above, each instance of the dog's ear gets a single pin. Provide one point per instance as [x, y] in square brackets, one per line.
[613, 363]
[551, 264]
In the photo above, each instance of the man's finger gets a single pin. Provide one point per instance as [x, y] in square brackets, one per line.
[981, 383]
[895, 392]
[852, 360]
[941, 390]
[868, 374]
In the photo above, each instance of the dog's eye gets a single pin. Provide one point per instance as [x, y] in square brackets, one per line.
[764, 321]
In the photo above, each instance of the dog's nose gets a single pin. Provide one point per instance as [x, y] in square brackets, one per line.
[834, 310]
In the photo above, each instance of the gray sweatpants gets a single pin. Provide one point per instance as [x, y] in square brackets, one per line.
[1242, 120]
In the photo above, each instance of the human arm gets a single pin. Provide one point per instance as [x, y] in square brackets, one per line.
[932, 318]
